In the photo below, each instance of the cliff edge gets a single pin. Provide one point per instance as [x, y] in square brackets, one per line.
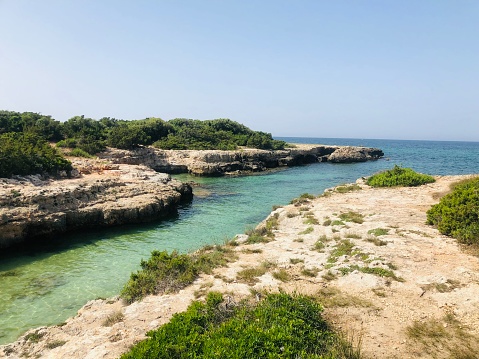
[103, 195]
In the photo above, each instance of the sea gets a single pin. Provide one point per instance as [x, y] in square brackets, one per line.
[44, 284]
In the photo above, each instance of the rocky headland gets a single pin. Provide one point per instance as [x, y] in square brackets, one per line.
[386, 279]
[101, 195]
[218, 163]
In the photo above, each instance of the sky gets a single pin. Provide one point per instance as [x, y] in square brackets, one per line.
[403, 69]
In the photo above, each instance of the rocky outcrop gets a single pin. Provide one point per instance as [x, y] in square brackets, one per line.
[217, 163]
[32, 207]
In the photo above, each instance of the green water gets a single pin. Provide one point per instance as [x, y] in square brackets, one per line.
[46, 284]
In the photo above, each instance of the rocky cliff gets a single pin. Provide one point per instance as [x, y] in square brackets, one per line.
[102, 196]
[217, 163]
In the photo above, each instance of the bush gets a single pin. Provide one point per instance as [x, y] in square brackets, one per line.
[457, 214]
[27, 153]
[78, 152]
[280, 326]
[399, 176]
[164, 273]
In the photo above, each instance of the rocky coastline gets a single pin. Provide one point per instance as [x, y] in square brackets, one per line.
[102, 195]
[378, 278]
[218, 163]
[122, 187]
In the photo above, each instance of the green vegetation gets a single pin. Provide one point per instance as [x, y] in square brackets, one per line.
[55, 344]
[113, 318]
[164, 272]
[280, 326]
[282, 275]
[25, 135]
[250, 275]
[28, 153]
[457, 214]
[352, 216]
[304, 198]
[399, 176]
[348, 188]
[378, 232]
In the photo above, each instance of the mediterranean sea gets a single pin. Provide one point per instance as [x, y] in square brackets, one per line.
[45, 284]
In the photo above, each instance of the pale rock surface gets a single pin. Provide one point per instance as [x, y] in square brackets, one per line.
[377, 309]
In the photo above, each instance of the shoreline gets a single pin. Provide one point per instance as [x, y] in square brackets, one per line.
[380, 308]
[124, 187]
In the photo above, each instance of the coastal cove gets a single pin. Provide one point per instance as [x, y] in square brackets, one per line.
[48, 285]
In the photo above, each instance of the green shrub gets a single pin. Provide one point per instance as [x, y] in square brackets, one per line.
[280, 326]
[78, 152]
[457, 214]
[164, 272]
[27, 153]
[399, 176]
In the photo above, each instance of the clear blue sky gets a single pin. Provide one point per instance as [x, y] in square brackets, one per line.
[404, 69]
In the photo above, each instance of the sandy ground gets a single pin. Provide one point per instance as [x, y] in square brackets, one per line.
[403, 292]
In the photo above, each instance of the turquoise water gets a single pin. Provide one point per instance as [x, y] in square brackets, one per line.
[46, 284]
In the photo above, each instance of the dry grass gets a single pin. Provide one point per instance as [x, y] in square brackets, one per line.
[444, 337]
[250, 275]
[332, 297]
[113, 318]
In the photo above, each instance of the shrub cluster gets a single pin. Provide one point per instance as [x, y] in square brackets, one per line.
[457, 214]
[86, 136]
[28, 153]
[167, 272]
[399, 176]
[280, 326]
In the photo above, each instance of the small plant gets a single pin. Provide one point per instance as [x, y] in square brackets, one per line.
[378, 232]
[329, 276]
[380, 292]
[352, 216]
[310, 272]
[399, 176]
[34, 337]
[282, 275]
[327, 222]
[15, 193]
[113, 318]
[250, 275]
[304, 198]
[78, 152]
[345, 247]
[292, 214]
[307, 230]
[337, 222]
[55, 344]
[311, 220]
[252, 251]
[296, 260]
[298, 240]
[348, 188]
[319, 246]
[352, 235]
[376, 241]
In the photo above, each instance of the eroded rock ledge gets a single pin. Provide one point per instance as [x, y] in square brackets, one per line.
[105, 195]
[217, 163]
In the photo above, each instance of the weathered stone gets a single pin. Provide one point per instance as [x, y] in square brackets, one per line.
[217, 163]
[126, 194]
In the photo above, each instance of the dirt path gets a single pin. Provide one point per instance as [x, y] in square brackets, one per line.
[392, 282]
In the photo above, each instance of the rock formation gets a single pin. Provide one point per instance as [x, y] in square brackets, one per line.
[217, 163]
[114, 195]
